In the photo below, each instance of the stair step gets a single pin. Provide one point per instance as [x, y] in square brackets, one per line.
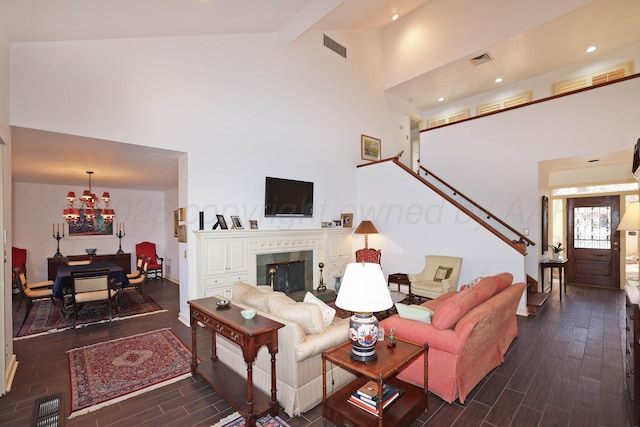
[535, 301]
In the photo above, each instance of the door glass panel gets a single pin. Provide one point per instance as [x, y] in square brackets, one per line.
[592, 227]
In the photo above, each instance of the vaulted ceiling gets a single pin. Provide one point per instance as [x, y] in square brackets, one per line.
[609, 24]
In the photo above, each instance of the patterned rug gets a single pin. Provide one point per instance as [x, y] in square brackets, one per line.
[112, 371]
[46, 317]
[235, 420]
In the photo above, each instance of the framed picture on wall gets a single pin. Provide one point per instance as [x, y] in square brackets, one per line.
[182, 233]
[176, 217]
[370, 147]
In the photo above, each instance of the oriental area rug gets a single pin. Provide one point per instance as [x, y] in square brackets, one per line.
[235, 420]
[106, 373]
[46, 316]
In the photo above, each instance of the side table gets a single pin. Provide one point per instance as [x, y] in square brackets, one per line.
[561, 265]
[390, 361]
[400, 279]
[250, 335]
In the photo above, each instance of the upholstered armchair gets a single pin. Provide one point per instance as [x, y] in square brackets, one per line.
[148, 249]
[369, 255]
[439, 276]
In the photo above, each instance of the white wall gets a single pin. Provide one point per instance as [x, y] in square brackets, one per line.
[239, 106]
[494, 160]
[37, 206]
[413, 221]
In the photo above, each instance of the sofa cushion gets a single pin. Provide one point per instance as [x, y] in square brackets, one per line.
[254, 296]
[442, 273]
[305, 314]
[451, 310]
[414, 312]
[328, 313]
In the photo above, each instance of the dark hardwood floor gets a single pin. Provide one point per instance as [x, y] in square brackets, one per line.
[565, 369]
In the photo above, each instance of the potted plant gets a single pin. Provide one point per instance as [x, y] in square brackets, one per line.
[555, 250]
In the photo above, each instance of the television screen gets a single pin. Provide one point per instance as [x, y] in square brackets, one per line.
[286, 197]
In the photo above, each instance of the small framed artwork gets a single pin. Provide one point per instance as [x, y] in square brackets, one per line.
[175, 223]
[337, 222]
[236, 223]
[253, 224]
[222, 223]
[370, 147]
[182, 214]
[347, 220]
[182, 233]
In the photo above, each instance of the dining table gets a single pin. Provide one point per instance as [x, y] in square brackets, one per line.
[62, 283]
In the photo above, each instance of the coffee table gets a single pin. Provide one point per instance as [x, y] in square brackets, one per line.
[383, 370]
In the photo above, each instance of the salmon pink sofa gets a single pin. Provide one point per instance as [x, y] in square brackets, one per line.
[468, 334]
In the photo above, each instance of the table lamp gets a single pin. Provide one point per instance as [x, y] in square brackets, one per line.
[366, 228]
[363, 291]
[631, 219]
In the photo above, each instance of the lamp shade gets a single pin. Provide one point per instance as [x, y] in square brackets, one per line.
[366, 227]
[364, 289]
[631, 218]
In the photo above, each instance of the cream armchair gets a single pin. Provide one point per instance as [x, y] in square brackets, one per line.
[440, 275]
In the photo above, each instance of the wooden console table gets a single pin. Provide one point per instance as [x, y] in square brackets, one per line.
[390, 361]
[121, 260]
[250, 335]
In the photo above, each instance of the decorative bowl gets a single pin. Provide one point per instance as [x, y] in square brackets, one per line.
[248, 313]
[223, 303]
[91, 251]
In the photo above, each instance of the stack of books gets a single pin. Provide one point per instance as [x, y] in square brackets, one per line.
[366, 397]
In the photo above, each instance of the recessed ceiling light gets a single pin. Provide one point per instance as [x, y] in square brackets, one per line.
[499, 80]
[591, 49]
[440, 99]
[395, 16]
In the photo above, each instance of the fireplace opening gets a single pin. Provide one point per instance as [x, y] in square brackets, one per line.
[303, 264]
[288, 276]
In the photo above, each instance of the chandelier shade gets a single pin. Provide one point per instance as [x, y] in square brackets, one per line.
[90, 208]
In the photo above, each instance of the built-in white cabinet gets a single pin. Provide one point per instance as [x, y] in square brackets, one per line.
[227, 256]
[222, 262]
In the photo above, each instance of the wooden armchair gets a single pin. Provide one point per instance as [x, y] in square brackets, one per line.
[89, 286]
[31, 291]
[148, 249]
[141, 279]
[139, 262]
[439, 276]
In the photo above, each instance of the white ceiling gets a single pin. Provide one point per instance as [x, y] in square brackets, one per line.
[609, 24]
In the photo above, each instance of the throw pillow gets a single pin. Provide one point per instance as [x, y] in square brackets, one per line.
[328, 313]
[414, 312]
[442, 273]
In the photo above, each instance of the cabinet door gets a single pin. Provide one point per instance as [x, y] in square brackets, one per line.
[215, 256]
[236, 255]
[339, 245]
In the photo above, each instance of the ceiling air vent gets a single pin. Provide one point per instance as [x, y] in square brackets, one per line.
[335, 46]
[481, 59]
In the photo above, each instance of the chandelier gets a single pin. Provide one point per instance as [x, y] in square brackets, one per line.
[89, 209]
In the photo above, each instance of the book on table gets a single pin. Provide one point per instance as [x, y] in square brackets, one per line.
[370, 404]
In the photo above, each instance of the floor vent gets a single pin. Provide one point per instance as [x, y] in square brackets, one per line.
[335, 46]
[481, 59]
[47, 411]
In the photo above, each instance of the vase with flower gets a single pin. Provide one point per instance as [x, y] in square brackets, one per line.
[556, 250]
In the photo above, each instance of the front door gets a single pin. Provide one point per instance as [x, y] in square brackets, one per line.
[593, 243]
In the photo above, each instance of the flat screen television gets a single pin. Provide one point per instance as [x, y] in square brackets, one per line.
[287, 197]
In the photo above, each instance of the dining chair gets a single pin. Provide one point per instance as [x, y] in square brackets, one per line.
[18, 260]
[31, 291]
[139, 281]
[79, 259]
[139, 261]
[88, 286]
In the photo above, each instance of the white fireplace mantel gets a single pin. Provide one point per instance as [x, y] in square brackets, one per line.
[227, 256]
